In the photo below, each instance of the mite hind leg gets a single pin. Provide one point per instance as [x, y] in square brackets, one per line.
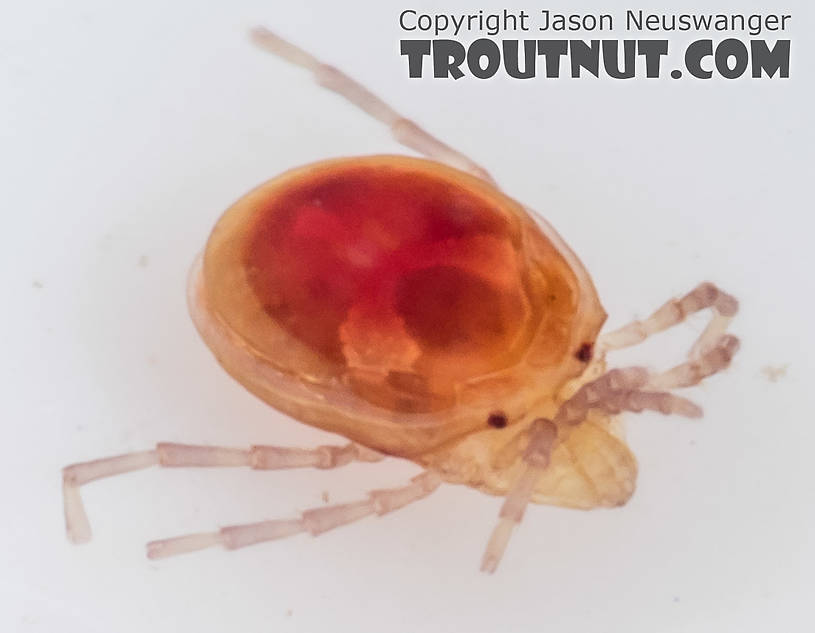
[179, 455]
[403, 130]
[314, 521]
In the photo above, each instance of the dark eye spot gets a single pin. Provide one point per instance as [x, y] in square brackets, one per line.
[585, 352]
[497, 420]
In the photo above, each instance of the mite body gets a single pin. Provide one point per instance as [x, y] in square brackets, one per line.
[411, 306]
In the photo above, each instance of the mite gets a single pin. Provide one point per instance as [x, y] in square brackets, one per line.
[411, 306]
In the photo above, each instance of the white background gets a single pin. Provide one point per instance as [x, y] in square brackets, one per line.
[127, 128]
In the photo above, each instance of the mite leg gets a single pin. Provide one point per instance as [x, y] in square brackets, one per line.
[712, 359]
[538, 452]
[705, 295]
[403, 130]
[629, 389]
[621, 390]
[614, 392]
[176, 455]
[314, 521]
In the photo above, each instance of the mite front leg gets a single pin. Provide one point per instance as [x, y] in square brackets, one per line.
[537, 456]
[622, 390]
[675, 311]
[403, 130]
[702, 364]
[314, 521]
[178, 455]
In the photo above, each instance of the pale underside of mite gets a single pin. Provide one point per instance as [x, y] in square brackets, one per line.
[562, 444]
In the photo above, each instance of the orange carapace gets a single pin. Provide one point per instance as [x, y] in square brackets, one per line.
[405, 300]
[411, 306]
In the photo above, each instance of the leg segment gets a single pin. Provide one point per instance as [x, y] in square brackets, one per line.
[705, 295]
[403, 130]
[177, 455]
[314, 521]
